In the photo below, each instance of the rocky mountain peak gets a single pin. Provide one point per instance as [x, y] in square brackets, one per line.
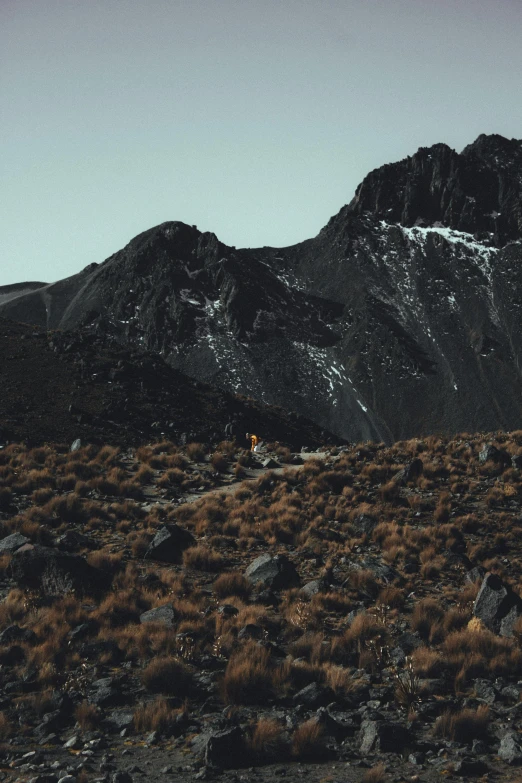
[401, 318]
[478, 191]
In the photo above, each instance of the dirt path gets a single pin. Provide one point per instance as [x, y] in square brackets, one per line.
[252, 476]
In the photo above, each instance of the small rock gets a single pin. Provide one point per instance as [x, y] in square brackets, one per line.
[74, 743]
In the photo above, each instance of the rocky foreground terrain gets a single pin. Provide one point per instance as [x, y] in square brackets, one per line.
[350, 615]
[401, 318]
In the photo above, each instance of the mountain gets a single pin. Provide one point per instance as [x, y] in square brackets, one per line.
[60, 386]
[402, 317]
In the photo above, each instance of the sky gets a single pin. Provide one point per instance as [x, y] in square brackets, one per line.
[253, 119]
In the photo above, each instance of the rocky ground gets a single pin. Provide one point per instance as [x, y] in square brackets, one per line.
[339, 616]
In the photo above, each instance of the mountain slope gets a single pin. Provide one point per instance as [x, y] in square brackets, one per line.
[402, 317]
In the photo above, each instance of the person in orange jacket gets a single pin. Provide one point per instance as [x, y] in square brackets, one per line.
[254, 440]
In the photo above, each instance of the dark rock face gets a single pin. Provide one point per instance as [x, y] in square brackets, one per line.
[169, 543]
[383, 736]
[497, 605]
[224, 749]
[54, 572]
[402, 317]
[479, 190]
[276, 573]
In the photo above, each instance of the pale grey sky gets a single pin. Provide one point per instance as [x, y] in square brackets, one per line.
[254, 119]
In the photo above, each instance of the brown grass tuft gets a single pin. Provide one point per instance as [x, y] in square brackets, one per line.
[167, 675]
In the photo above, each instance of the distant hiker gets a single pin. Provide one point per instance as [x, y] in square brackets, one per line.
[254, 440]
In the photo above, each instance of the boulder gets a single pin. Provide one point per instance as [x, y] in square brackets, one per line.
[277, 573]
[497, 606]
[72, 541]
[315, 586]
[106, 693]
[224, 749]
[165, 615]
[409, 472]
[12, 543]
[363, 524]
[314, 695]
[269, 463]
[378, 736]
[53, 572]
[484, 691]
[169, 543]
[490, 453]
[516, 461]
[13, 633]
[76, 445]
[470, 768]
[510, 750]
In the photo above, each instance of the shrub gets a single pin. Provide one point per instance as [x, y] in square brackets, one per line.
[167, 675]
[155, 715]
[219, 462]
[249, 677]
[375, 774]
[87, 715]
[196, 452]
[307, 741]
[266, 743]
[232, 583]
[202, 559]
[463, 726]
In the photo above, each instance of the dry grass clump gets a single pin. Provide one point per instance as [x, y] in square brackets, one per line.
[266, 742]
[156, 715]
[307, 741]
[88, 716]
[250, 677]
[376, 774]
[471, 653]
[167, 675]
[203, 559]
[232, 583]
[6, 727]
[427, 617]
[464, 725]
[196, 452]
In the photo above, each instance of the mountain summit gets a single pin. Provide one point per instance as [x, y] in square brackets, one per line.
[402, 317]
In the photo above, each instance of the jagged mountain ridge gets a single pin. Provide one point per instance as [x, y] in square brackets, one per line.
[402, 317]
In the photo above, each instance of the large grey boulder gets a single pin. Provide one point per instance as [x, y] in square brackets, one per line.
[275, 572]
[165, 615]
[169, 543]
[12, 543]
[497, 606]
[53, 572]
